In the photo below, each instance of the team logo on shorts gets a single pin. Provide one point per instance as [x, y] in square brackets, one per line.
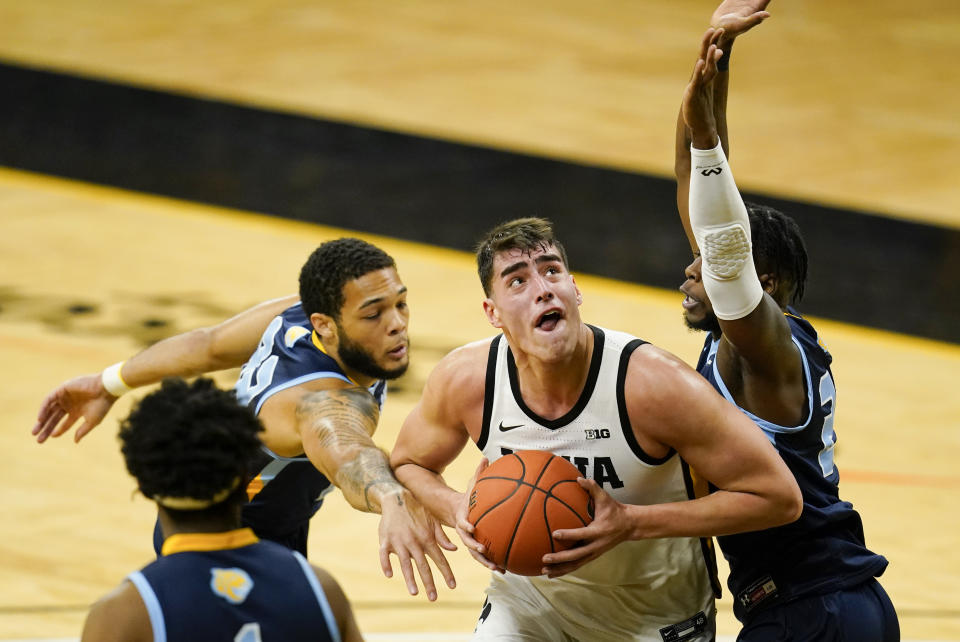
[232, 584]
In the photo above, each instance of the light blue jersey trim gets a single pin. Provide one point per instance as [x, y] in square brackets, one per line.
[279, 458]
[321, 596]
[275, 467]
[152, 603]
[769, 428]
[296, 382]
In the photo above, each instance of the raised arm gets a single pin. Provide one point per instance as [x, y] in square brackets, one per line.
[226, 345]
[757, 341]
[734, 17]
[336, 428]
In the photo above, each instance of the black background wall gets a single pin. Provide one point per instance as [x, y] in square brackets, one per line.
[865, 269]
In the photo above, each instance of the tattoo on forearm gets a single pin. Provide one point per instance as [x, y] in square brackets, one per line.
[345, 419]
[358, 477]
[332, 413]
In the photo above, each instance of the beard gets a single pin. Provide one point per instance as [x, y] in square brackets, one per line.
[708, 323]
[356, 357]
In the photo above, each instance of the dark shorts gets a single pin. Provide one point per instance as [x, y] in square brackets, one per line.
[863, 613]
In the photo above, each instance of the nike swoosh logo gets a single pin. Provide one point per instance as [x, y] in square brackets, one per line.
[506, 428]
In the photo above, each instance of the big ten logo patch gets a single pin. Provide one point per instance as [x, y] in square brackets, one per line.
[232, 584]
[597, 433]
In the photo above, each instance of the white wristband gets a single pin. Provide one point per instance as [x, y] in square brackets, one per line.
[113, 382]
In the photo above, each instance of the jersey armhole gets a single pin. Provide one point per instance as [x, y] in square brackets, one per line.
[488, 390]
[622, 408]
[150, 600]
[319, 594]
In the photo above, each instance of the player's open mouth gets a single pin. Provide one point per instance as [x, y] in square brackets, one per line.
[689, 301]
[548, 320]
[399, 352]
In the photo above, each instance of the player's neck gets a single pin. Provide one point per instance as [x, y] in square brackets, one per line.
[552, 387]
[201, 522]
[361, 380]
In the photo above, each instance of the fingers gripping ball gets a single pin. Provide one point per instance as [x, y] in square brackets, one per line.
[519, 500]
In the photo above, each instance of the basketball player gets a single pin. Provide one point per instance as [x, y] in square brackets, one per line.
[624, 412]
[187, 446]
[813, 579]
[316, 379]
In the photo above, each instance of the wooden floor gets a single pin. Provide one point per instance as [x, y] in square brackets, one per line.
[845, 103]
[851, 104]
[90, 274]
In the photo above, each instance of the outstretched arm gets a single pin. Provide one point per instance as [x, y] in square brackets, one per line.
[435, 433]
[734, 17]
[336, 428]
[226, 345]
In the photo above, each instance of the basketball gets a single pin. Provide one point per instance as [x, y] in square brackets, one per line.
[519, 500]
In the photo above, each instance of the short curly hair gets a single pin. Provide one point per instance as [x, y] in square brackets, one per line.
[189, 440]
[778, 248]
[333, 265]
[527, 234]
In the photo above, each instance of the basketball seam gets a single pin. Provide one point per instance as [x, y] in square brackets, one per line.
[546, 520]
[516, 527]
[520, 482]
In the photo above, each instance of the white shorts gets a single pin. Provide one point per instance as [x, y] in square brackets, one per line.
[515, 611]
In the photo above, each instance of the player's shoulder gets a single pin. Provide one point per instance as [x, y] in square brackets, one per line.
[121, 614]
[463, 367]
[294, 312]
[651, 356]
[470, 356]
[331, 588]
[655, 374]
[802, 329]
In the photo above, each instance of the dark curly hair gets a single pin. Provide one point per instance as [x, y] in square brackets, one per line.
[778, 248]
[527, 234]
[189, 440]
[331, 266]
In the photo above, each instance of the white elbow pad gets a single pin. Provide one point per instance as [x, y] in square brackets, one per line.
[719, 221]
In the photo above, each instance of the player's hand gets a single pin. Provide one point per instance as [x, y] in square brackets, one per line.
[609, 527]
[409, 531]
[81, 397]
[465, 529]
[737, 17]
[698, 95]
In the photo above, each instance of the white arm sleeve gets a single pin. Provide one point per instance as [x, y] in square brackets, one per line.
[719, 221]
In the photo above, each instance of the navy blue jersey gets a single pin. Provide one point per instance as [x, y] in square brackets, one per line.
[824, 550]
[232, 587]
[287, 491]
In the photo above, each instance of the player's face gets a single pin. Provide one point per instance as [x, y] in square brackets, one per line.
[697, 310]
[536, 303]
[372, 331]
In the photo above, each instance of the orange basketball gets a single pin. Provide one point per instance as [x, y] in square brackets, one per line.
[519, 500]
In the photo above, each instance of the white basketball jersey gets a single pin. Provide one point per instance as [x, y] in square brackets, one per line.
[657, 589]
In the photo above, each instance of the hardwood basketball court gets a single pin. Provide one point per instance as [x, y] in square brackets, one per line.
[859, 96]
